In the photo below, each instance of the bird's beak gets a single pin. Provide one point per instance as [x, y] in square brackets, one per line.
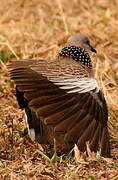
[92, 49]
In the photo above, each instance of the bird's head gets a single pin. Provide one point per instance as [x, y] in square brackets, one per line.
[80, 40]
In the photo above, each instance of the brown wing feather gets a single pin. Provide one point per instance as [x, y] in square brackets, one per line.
[75, 118]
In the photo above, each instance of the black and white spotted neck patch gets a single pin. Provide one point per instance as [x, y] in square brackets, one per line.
[77, 54]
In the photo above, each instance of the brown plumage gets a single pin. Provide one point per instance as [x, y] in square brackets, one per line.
[62, 100]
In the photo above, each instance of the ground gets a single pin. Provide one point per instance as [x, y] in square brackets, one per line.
[38, 29]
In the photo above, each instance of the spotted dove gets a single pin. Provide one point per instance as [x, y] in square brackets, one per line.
[62, 100]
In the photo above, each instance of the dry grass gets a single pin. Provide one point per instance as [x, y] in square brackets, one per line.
[39, 28]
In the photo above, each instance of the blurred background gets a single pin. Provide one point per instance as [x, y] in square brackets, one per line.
[39, 29]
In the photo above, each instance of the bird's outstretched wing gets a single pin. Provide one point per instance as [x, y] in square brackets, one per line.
[67, 98]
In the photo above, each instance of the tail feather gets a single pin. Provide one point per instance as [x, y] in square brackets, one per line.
[35, 126]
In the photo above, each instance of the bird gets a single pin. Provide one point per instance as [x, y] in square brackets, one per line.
[62, 100]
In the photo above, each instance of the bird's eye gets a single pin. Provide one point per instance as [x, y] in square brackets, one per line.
[87, 42]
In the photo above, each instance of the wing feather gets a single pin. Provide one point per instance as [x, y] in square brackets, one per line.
[74, 106]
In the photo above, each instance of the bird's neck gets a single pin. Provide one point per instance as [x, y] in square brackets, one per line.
[77, 54]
